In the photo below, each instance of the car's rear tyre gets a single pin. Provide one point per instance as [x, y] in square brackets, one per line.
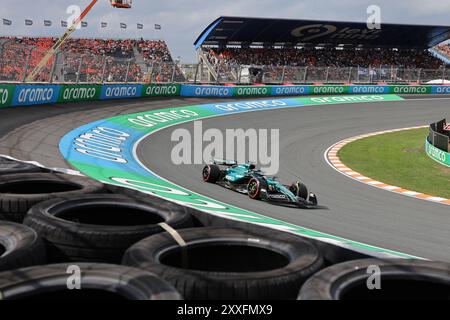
[211, 173]
[99, 228]
[398, 280]
[20, 246]
[229, 263]
[255, 186]
[19, 192]
[97, 282]
[300, 190]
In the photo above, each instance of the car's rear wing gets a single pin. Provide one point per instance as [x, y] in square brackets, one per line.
[222, 162]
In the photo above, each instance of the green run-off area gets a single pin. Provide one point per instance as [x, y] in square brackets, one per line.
[398, 159]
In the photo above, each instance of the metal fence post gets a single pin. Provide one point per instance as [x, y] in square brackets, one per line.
[150, 77]
[357, 75]
[239, 74]
[52, 72]
[102, 80]
[196, 73]
[443, 75]
[350, 75]
[128, 70]
[419, 75]
[305, 76]
[283, 74]
[173, 73]
[27, 62]
[79, 70]
[2, 60]
[327, 74]
[218, 75]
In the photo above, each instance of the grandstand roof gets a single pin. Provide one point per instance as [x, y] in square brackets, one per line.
[238, 31]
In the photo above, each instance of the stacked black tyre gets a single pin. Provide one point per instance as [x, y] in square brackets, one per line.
[84, 281]
[223, 263]
[20, 246]
[20, 192]
[100, 228]
[8, 166]
[72, 219]
[374, 279]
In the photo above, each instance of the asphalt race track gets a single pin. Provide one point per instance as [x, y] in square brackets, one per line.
[353, 210]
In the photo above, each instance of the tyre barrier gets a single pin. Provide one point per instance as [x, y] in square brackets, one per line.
[20, 246]
[100, 228]
[97, 282]
[8, 166]
[332, 254]
[83, 222]
[399, 280]
[225, 263]
[19, 192]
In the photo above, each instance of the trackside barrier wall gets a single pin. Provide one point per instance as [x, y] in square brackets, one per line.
[437, 143]
[21, 95]
[436, 154]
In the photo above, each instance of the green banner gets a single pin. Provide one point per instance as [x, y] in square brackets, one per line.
[161, 90]
[437, 155]
[6, 95]
[76, 93]
[325, 89]
[410, 89]
[252, 91]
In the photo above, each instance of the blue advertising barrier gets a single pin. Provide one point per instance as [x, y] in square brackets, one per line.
[25, 95]
[440, 89]
[121, 91]
[369, 89]
[206, 91]
[290, 90]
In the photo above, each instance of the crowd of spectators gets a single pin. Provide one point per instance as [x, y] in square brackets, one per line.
[154, 51]
[17, 55]
[84, 60]
[444, 49]
[326, 57]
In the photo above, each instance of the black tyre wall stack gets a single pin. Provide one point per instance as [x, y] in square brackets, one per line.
[97, 282]
[8, 166]
[20, 246]
[223, 263]
[99, 228]
[19, 192]
[398, 280]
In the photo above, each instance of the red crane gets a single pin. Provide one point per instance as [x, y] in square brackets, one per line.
[122, 4]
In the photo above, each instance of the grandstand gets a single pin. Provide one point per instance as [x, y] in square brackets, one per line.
[89, 60]
[235, 49]
[246, 51]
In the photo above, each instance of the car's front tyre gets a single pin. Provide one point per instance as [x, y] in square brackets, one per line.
[300, 190]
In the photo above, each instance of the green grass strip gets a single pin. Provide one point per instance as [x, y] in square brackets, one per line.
[398, 159]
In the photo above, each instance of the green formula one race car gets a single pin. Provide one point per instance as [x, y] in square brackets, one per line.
[246, 179]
